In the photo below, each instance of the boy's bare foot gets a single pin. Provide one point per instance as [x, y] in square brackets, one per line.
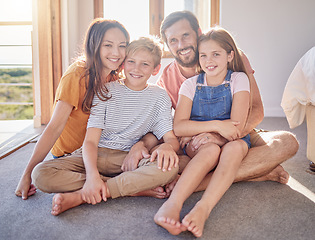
[157, 192]
[277, 175]
[64, 201]
[195, 220]
[168, 218]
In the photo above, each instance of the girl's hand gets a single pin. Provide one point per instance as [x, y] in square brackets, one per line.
[94, 190]
[228, 130]
[183, 141]
[25, 187]
[166, 157]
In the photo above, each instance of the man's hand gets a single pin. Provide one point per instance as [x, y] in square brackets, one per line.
[136, 153]
[166, 157]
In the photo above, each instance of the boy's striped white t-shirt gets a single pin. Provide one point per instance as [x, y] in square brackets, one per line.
[128, 115]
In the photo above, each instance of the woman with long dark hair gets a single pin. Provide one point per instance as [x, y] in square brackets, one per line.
[101, 62]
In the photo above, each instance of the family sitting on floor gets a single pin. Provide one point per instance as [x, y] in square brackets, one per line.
[114, 135]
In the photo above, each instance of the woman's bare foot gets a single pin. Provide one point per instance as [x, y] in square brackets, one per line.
[277, 175]
[170, 186]
[157, 192]
[195, 220]
[168, 218]
[64, 201]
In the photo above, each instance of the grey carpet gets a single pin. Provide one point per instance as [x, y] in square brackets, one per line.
[249, 210]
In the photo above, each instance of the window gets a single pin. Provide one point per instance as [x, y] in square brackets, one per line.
[15, 32]
[142, 17]
[16, 94]
[201, 8]
[134, 18]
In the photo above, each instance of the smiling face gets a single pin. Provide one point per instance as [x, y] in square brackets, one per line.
[214, 59]
[138, 68]
[182, 42]
[112, 50]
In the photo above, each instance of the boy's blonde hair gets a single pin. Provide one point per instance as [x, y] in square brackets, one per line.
[150, 44]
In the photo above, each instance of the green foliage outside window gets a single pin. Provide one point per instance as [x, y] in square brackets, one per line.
[23, 95]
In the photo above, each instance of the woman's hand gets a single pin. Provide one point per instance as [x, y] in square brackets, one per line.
[25, 187]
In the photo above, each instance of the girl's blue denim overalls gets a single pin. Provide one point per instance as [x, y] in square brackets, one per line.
[213, 103]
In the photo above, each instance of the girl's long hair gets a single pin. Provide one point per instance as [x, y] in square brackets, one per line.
[226, 41]
[93, 63]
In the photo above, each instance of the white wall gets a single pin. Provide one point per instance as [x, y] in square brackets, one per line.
[274, 34]
[76, 16]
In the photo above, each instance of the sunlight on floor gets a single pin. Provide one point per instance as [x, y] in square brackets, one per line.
[15, 134]
[9, 128]
[295, 185]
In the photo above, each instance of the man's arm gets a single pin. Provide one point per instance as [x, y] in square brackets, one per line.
[256, 113]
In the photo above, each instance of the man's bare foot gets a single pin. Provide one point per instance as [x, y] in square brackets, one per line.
[157, 192]
[195, 220]
[277, 175]
[170, 186]
[168, 218]
[64, 201]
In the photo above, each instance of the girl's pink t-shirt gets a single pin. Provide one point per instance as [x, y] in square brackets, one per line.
[239, 82]
[172, 79]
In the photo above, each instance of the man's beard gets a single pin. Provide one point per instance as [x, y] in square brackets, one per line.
[189, 64]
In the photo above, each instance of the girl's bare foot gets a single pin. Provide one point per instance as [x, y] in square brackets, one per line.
[277, 175]
[168, 218]
[64, 201]
[157, 192]
[195, 220]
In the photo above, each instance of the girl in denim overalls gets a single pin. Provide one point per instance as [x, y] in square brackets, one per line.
[217, 101]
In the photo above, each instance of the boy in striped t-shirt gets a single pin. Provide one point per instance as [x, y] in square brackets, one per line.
[133, 109]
